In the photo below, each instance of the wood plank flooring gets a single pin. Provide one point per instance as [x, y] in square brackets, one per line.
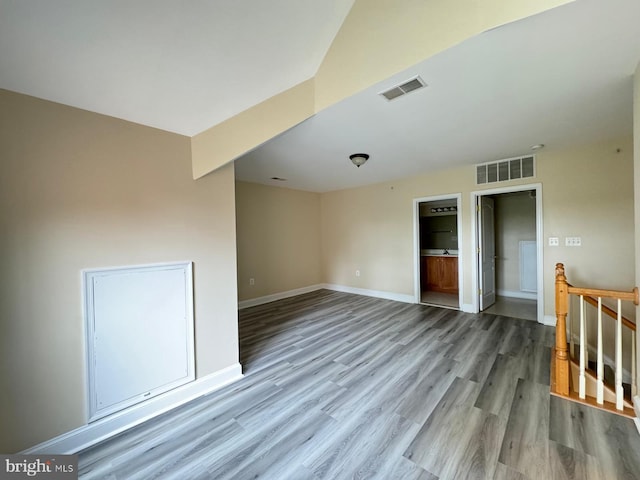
[340, 386]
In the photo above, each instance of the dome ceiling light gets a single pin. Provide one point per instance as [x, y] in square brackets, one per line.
[359, 159]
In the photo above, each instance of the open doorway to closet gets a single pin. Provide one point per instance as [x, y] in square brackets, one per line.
[509, 250]
[437, 226]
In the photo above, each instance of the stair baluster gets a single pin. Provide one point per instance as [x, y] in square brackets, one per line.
[572, 376]
[619, 389]
[582, 391]
[600, 373]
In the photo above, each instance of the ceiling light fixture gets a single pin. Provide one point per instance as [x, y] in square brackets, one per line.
[537, 146]
[359, 159]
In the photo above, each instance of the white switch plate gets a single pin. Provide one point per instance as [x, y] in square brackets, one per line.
[554, 241]
[357, 273]
[573, 241]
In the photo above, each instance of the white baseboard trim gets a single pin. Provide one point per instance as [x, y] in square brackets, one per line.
[517, 294]
[549, 320]
[468, 308]
[90, 434]
[252, 302]
[398, 297]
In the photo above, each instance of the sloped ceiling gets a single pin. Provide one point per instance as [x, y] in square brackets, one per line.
[181, 66]
[562, 77]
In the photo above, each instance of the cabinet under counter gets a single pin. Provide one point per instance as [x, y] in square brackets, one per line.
[439, 273]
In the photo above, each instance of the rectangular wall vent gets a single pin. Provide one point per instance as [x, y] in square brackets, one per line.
[507, 169]
[404, 88]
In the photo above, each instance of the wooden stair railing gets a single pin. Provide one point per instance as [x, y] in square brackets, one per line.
[562, 356]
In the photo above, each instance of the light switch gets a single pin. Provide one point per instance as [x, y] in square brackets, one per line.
[554, 241]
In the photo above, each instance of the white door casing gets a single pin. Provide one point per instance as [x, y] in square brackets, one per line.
[475, 241]
[416, 240]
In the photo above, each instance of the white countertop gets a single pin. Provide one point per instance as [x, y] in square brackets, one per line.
[429, 252]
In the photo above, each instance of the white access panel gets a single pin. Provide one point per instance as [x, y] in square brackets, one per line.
[139, 333]
[528, 266]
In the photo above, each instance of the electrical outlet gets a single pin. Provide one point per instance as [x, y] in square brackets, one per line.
[252, 281]
[573, 241]
[357, 273]
[554, 241]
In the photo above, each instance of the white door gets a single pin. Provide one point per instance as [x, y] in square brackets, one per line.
[487, 253]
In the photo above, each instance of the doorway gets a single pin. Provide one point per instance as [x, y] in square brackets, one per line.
[437, 239]
[508, 242]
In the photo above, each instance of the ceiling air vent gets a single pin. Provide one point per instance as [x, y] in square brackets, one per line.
[507, 169]
[404, 88]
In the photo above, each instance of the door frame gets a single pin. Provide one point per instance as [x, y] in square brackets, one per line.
[416, 242]
[539, 241]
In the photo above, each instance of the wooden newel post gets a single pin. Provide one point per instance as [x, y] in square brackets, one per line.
[562, 353]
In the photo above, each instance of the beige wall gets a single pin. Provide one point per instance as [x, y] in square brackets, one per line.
[515, 220]
[587, 192]
[228, 140]
[278, 239]
[597, 206]
[370, 229]
[80, 190]
[636, 163]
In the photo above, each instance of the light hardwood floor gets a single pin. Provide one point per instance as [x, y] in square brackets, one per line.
[340, 386]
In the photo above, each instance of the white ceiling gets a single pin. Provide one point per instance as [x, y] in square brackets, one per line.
[182, 66]
[561, 78]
